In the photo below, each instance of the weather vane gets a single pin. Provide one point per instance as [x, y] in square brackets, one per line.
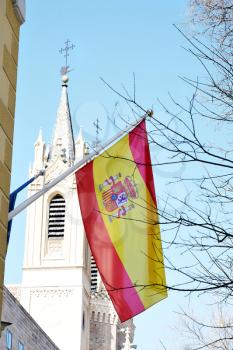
[65, 50]
[98, 129]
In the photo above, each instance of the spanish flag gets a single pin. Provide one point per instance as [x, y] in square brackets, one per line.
[119, 212]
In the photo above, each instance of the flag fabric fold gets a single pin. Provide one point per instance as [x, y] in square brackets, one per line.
[119, 211]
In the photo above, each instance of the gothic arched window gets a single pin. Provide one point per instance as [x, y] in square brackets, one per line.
[56, 223]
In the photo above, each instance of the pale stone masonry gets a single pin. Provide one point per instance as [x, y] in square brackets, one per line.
[24, 329]
[106, 330]
[11, 17]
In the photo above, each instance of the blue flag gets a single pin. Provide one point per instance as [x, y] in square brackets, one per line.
[12, 201]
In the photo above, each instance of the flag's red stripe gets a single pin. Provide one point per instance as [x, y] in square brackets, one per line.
[116, 280]
[139, 147]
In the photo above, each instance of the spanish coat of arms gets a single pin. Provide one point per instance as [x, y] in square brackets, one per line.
[118, 195]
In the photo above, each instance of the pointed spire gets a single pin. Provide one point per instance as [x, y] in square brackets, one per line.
[79, 145]
[39, 154]
[39, 139]
[127, 344]
[80, 135]
[63, 140]
[30, 169]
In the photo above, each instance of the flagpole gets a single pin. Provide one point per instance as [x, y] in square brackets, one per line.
[72, 169]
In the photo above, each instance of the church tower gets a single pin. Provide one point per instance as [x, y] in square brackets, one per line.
[55, 288]
[61, 287]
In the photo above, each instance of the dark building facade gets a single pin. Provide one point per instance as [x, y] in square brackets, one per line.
[23, 333]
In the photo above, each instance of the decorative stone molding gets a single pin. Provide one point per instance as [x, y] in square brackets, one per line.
[103, 317]
[20, 10]
[102, 310]
[102, 295]
[50, 293]
[55, 247]
[15, 291]
[54, 170]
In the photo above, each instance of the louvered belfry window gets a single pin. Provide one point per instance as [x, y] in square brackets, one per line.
[57, 208]
[94, 272]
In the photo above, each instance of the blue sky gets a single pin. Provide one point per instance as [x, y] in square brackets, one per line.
[113, 40]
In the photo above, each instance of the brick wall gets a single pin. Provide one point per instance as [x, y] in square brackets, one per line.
[23, 328]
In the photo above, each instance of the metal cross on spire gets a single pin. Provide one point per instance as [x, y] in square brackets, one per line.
[98, 129]
[65, 50]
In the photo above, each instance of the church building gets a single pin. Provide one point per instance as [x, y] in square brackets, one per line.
[61, 288]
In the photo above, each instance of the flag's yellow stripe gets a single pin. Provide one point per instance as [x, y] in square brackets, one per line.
[136, 236]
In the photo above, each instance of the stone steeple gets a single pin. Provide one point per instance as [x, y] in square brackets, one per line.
[63, 140]
[39, 154]
[56, 285]
[55, 288]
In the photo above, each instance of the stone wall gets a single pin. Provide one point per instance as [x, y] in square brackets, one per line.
[24, 329]
[9, 41]
[100, 335]
[106, 330]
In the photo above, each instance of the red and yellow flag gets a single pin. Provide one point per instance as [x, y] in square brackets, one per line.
[118, 206]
